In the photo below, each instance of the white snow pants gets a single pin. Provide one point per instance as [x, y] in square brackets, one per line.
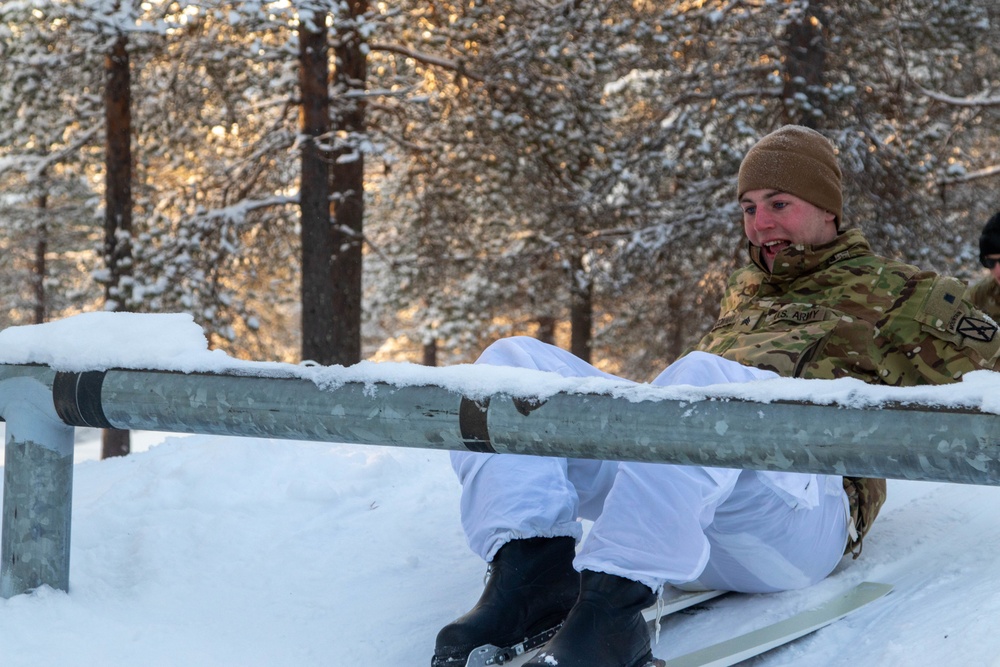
[656, 523]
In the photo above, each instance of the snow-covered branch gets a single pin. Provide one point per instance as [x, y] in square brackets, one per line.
[978, 101]
[34, 165]
[986, 172]
[239, 210]
[427, 58]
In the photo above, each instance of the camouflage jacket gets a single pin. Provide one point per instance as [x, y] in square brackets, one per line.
[984, 294]
[837, 310]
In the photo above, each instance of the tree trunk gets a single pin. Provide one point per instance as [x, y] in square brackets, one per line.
[804, 49]
[331, 249]
[547, 329]
[41, 248]
[118, 179]
[118, 202]
[318, 311]
[676, 339]
[581, 315]
[347, 186]
[115, 443]
[430, 357]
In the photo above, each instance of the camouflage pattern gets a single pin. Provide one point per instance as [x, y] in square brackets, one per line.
[985, 295]
[838, 310]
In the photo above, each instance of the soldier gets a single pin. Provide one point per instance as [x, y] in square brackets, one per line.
[814, 302]
[985, 293]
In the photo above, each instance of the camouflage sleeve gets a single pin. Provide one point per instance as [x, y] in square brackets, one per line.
[974, 294]
[984, 294]
[742, 285]
[934, 336]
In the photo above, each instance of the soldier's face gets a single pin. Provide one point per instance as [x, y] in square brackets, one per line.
[774, 220]
[995, 268]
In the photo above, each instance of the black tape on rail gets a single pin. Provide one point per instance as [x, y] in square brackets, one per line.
[472, 424]
[77, 398]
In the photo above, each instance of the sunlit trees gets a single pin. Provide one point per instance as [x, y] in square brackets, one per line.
[217, 175]
[50, 121]
[564, 170]
[510, 181]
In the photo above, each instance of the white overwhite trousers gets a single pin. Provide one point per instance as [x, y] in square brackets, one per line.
[656, 523]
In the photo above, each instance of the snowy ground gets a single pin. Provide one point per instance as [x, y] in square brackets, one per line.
[215, 551]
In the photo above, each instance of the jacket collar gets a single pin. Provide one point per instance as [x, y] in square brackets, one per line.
[797, 260]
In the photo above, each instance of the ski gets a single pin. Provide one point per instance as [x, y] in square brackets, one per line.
[731, 651]
[722, 654]
[512, 656]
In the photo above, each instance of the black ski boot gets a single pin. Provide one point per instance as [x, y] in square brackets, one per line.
[532, 586]
[605, 628]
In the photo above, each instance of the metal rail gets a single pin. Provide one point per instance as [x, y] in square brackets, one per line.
[41, 408]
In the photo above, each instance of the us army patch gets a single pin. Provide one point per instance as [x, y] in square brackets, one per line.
[976, 329]
[801, 314]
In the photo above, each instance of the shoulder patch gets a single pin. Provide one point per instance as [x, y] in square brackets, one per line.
[948, 315]
[942, 308]
[976, 329]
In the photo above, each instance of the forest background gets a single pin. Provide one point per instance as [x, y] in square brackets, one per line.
[331, 181]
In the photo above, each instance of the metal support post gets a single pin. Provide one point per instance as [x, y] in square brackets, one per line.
[37, 487]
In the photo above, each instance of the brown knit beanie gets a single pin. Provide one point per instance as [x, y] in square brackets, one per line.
[796, 160]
